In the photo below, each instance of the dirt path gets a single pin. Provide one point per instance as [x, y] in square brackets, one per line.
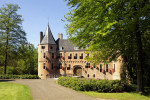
[49, 90]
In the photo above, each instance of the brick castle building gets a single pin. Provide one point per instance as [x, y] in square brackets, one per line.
[60, 57]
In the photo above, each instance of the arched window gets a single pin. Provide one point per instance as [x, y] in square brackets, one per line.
[70, 56]
[81, 57]
[76, 54]
[75, 57]
[68, 68]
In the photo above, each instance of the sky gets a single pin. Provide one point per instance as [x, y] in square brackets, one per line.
[37, 14]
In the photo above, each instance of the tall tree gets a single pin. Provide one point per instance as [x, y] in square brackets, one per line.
[28, 56]
[11, 31]
[111, 28]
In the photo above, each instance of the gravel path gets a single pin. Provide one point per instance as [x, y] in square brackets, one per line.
[49, 90]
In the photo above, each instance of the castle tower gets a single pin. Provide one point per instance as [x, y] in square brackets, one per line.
[46, 54]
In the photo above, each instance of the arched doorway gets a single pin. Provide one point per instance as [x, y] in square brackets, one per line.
[77, 70]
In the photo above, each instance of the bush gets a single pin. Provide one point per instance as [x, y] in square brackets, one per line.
[19, 76]
[94, 85]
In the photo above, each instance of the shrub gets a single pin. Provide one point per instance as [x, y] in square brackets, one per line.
[7, 76]
[94, 85]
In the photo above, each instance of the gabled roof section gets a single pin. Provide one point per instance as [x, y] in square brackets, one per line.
[65, 45]
[48, 37]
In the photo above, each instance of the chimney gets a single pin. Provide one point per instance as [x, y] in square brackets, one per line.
[60, 36]
[41, 37]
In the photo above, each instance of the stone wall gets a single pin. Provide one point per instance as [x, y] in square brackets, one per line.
[63, 58]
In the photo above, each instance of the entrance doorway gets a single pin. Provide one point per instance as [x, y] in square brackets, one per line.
[77, 70]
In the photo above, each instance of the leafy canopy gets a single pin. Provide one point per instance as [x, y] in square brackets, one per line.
[107, 28]
[11, 25]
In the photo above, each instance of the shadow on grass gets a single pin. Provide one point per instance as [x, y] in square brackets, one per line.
[147, 91]
[6, 80]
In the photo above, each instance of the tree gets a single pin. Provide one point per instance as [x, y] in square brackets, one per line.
[111, 28]
[27, 59]
[11, 32]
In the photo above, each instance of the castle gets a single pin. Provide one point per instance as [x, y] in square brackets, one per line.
[61, 58]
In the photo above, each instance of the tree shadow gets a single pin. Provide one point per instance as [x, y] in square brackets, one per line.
[147, 91]
[6, 80]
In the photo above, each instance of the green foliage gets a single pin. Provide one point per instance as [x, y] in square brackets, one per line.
[94, 85]
[1, 70]
[113, 28]
[11, 32]
[116, 96]
[27, 59]
[23, 61]
[8, 76]
[10, 26]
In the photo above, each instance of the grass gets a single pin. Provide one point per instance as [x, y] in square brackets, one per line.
[119, 96]
[13, 91]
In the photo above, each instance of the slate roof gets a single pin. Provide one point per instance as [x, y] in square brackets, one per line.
[65, 45]
[48, 37]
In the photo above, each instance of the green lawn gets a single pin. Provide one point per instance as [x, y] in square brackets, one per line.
[119, 96]
[13, 91]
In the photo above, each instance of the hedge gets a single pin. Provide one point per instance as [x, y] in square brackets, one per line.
[94, 85]
[19, 76]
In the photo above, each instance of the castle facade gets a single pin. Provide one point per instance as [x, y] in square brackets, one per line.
[61, 58]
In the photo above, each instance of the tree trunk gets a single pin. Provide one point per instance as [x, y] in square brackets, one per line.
[5, 62]
[6, 51]
[140, 87]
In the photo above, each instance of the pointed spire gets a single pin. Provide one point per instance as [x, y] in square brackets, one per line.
[48, 37]
[48, 20]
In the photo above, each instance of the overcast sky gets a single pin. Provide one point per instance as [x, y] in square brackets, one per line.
[36, 14]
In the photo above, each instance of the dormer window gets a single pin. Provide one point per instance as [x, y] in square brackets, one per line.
[76, 48]
[61, 48]
[51, 47]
